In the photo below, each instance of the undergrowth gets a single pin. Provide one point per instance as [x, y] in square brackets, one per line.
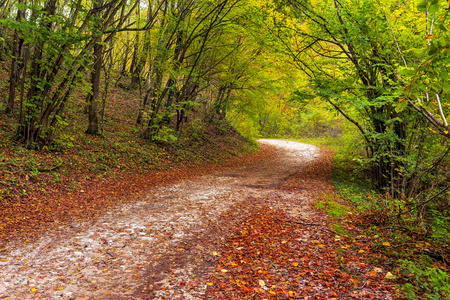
[422, 273]
[119, 149]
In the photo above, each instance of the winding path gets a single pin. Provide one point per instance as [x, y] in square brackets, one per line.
[147, 245]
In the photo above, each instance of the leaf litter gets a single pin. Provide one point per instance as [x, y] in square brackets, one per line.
[248, 232]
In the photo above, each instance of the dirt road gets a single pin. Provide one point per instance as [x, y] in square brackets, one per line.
[159, 248]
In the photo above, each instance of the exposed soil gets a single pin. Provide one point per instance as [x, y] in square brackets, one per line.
[211, 237]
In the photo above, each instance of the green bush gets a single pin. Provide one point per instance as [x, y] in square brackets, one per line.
[433, 283]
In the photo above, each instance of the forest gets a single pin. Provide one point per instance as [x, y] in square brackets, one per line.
[94, 88]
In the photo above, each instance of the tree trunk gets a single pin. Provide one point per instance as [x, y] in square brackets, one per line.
[14, 74]
[93, 98]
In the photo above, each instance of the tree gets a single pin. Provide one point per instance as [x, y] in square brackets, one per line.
[186, 30]
[427, 77]
[16, 57]
[93, 96]
[60, 39]
[353, 64]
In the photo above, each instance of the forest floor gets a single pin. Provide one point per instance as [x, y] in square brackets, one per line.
[248, 230]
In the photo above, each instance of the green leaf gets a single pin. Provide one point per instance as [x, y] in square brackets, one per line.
[418, 53]
[422, 6]
[433, 8]
[446, 87]
[401, 106]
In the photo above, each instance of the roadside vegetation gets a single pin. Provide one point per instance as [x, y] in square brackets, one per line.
[412, 240]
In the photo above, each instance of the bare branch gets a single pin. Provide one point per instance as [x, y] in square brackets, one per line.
[393, 35]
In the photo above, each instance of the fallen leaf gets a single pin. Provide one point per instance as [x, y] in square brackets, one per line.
[261, 282]
[295, 264]
[378, 270]
[386, 244]
[389, 275]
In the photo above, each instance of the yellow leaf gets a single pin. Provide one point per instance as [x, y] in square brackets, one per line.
[261, 282]
[361, 251]
[389, 275]
[223, 270]
[209, 283]
[5, 259]
[214, 253]
[272, 293]
[295, 264]
[33, 290]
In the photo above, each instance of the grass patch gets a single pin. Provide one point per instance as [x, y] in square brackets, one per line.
[340, 230]
[329, 203]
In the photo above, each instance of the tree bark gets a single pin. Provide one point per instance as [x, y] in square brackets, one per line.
[93, 97]
[14, 74]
